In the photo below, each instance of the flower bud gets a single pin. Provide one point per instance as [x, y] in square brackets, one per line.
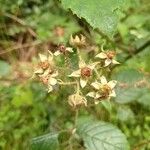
[78, 41]
[75, 100]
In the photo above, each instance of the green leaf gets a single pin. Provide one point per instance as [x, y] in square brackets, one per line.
[144, 98]
[101, 14]
[126, 90]
[4, 68]
[125, 114]
[45, 142]
[103, 136]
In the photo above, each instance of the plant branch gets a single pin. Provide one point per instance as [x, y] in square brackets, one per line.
[20, 21]
[137, 51]
[20, 46]
[76, 117]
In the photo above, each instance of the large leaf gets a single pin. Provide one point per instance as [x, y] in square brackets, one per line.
[144, 98]
[133, 83]
[126, 90]
[125, 114]
[102, 136]
[45, 142]
[99, 14]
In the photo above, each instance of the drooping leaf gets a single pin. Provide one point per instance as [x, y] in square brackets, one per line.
[144, 98]
[125, 114]
[102, 136]
[101, 14]
[45, 142]
[126, 90]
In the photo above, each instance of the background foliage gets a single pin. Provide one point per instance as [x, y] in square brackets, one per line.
[28, 111]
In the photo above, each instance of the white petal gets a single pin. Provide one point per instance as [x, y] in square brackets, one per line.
[83, 82]
[107, 62]
[50, 88]
[96, 102]
[46, 72]
[43, 57]
[50, 58]
[112, 94]
[38, 71]
[51, 54]
[112, 84]
[101, 55]
[76, 73]
[97, 95]
[96, 85]
[57, 53]
[92, 66]
[77, 39]
[115, 62]
[103, 80]
[82, 64]
[82, 38]
[91, 94]
[55, 74]
[69, 49]
[52, 81]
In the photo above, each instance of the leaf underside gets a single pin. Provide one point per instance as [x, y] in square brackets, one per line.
[102, 136]
[45, 142]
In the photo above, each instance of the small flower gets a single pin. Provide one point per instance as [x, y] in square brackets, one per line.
[63, 50]
[108, 56]
[49, 79]
[46, 71]
[75, 100]
[78, 41]
[46, 62]
[103, 89]
[84, 72]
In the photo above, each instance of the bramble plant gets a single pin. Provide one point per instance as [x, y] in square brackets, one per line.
[89, 75]
[86, 76]
[74, 75]
[89, 84]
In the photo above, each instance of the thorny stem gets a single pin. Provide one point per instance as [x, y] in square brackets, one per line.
[74, 128]
[102, 46]
[76, 117]
[78, 87]
[70, 143]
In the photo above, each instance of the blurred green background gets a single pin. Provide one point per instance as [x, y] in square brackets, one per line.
[28, 27]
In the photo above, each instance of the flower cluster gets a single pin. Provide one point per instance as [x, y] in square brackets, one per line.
[46, 71]
[88, 78]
